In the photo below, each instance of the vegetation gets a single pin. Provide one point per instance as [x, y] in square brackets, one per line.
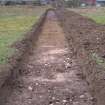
[72, 3]
[67, 3]
[97, 18]
[97, 14]
[14, 22]
[20, 2]
[99, 60]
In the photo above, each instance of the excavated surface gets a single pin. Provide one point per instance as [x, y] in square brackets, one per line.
[50, 75]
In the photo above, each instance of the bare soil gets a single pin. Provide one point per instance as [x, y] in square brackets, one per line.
[87, 39]
[50, 73]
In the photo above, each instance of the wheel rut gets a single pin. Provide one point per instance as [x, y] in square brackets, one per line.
[51, 76]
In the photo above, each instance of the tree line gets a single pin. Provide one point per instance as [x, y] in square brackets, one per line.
[21, 2]
[67, 3]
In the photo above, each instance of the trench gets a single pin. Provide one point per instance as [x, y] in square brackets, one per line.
[50, 76]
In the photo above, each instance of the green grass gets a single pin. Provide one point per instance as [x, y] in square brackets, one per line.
[97, 14]
[100, 19]
[14, 23]
[99, 60]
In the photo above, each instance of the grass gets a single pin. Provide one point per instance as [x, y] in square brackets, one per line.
[14, 22]
[97, 14]
[99, 60]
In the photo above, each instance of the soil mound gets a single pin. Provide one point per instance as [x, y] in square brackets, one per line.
[88, 41]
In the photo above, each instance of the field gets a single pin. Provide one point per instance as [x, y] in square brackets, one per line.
[48, 68]
[97, 14]
[62, 61]
[14, 23]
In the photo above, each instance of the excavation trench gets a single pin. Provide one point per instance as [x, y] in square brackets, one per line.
[50, 75]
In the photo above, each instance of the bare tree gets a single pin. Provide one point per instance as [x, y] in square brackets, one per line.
[63, 3]
[72, 3]
[58, 3]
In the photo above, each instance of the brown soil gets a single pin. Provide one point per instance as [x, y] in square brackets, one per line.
[50, 72]
[87, 38]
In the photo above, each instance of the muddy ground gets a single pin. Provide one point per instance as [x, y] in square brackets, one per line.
[56, 67]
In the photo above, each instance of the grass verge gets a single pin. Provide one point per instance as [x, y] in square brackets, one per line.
[14, 22]
[97, 14]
